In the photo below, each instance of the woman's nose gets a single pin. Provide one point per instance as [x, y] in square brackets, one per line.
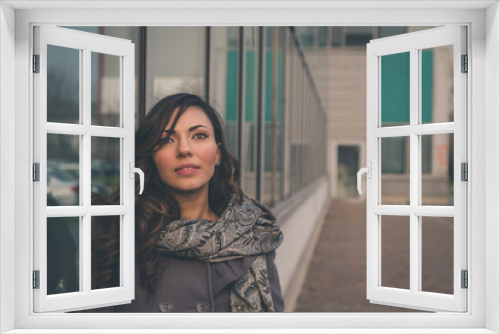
[184, 148]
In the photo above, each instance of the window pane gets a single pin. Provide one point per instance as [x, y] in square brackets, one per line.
[63, 240]
[322, 36]
[106, 252]
[391, 31]
[395, 184]
[272, 117]
[233, 36]
[358, 36]
[63, 170]
[437, 169]
[63, 84]
[437, 84]
[348, 165]
[134, 35]
[179, 61]
[395, 251]
[250, 140]
[336, 36]
[395, 89]
[437, 254]
[105, 89]
[225, 88]
[105, 166]
[307, 36]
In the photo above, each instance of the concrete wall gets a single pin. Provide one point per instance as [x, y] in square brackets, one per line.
[301, 228]
[340, 76]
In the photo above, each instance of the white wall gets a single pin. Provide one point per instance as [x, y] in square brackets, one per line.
[278, 16]
[7, 159]
[492, 165]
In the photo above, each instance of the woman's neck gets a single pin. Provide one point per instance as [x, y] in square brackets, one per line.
[194, 206]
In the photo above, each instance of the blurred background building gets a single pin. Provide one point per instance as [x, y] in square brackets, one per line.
[337, 59]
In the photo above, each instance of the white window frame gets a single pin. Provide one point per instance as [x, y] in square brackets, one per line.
[413, 44]
[85, 43]
[483, 314]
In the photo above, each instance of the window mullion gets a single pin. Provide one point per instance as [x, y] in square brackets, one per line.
[86, 138]
[85, 239]
[434, 128]
[80, 211]
[414, 173]
[85, 266]
[127, 184]
[392, 131]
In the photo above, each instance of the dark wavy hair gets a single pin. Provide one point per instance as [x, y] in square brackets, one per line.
[157, 206]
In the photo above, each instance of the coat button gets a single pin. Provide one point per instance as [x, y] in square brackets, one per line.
[166, 306]
[202, 307]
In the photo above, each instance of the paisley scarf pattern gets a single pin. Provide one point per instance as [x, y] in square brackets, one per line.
[244, 229]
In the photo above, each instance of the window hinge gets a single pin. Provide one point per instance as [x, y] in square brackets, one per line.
[464, 168]
[465, 64]
[36, 279]
[36, 172]
[465, 279]
[36, 63]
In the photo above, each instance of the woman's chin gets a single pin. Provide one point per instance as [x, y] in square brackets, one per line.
[189, 189]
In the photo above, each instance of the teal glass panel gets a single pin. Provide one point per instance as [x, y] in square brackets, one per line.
[250, 85]
[268, 111]
[227, 89]
[395, 91]
[269, 87]
[427, 85]
[232, 86]
[280, 86]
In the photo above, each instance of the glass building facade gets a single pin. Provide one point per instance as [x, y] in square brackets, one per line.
[255, 77]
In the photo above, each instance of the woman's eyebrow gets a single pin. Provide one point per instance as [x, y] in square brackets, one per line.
[196, 127]
[190, 129]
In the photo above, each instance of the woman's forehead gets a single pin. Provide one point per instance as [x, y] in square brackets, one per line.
[190, 117]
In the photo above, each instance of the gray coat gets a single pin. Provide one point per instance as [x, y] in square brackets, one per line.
[188, 285]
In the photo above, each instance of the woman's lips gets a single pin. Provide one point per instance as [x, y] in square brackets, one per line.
[189, 170]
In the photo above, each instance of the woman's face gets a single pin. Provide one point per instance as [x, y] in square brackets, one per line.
[186, 163]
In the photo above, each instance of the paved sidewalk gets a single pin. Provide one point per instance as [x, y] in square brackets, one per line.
[336, 277]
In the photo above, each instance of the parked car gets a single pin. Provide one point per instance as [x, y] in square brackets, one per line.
[64, 187]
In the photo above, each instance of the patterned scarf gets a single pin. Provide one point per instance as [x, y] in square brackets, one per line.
[244, 229]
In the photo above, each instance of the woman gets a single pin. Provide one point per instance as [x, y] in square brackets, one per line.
[201, 244]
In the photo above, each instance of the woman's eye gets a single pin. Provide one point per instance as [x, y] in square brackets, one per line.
[167, 140]
[200, 135]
